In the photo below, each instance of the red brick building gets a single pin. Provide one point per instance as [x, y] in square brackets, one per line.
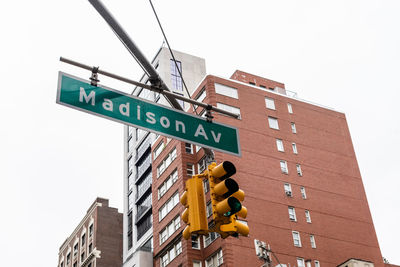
[304, 191]
[96, 241]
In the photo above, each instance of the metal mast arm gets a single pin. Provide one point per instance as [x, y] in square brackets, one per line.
[154, 78]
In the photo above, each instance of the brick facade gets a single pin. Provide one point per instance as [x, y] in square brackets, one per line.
[341, 222]
[101, 247]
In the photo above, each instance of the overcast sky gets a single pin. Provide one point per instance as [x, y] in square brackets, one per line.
[54, 160]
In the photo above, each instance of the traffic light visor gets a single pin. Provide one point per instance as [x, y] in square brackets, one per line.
[224, 170]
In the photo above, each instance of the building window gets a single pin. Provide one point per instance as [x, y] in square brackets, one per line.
[82, 256]
[175, 76]
[157, 151]
[144, 185]
[202, 165]
[91, 230]
[196, 263]
[196, 243]
[209, 209]
[316, 263]
[292, 214]
[171, 254]
[62, 264]
[75, 264]
[202, 95]
[289, 107]
[143, 226]
[308, 216]
[284, 167]
[288, 189]
[228, 108]
[131, 144]
[215, 260]
[279, 145]
[83, 240]
[273, 123]
[296, 239]
[189, 169]
[172, 178]
[294, 148]
[206, 185]
[303, 192]
[298, 168]
[168, 206]
[166, 162]
[130, 201]
[300, 262]
[270, 103]
[170, 229]
[90, 247]
[68, 258]
[75, 249]
[226, 90]
[208, 239]
[293, 127]
[312, 241]
[189, 148]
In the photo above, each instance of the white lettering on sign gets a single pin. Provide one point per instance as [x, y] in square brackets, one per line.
[124, 109]
[217, 138]
[151, 117]
[107, 104]
[200, 131]
[164, 121]
[82, 95]
[177, 123]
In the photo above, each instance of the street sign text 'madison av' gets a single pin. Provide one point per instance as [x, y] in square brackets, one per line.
[127, 109]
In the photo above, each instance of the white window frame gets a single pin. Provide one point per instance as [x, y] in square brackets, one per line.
[225, 90]
[296, 237]
[190, 147]
[294, 147]
[303, 192]
[157, 151]
[292, 214]
[308, 216]
[190, 168]
[288, 188]
[202, 165]
[197, 241]
[279, 145]
[166, 162]
[170, 229]
[270, 103]
[197, 262]
[168, 206]
[302, 262]
[312, 241]
[290, 108]
[168, 183]
[299, 171]
[316, 263]
[293, 126]
[228, 108]
[273, 123]
[284, 167]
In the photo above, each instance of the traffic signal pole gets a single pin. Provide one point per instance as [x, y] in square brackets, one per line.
[154, 78]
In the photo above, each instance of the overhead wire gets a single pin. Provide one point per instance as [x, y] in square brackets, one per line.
[172, 54]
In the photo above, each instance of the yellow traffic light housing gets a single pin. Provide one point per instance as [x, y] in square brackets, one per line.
[225, 198]
[195, 213]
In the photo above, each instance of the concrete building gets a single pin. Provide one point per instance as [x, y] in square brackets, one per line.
[304, 191]
[96, 241]
[138, 179]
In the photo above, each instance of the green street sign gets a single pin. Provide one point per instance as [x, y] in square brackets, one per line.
[111, 104]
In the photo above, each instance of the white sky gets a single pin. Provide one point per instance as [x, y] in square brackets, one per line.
[55, 160]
